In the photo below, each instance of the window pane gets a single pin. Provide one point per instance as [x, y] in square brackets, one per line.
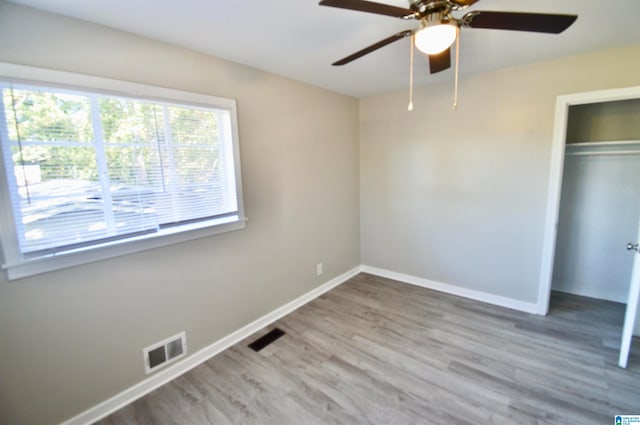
[196, 186]
[47, 116]
[134, 180]
[132, 130]
[127, 120]
[60, 198]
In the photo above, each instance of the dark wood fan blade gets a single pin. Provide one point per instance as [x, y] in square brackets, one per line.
[369, 6]
[376, 46]
[440, 62]
[535, 22]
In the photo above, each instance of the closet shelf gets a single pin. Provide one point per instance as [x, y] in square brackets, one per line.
[617, 147]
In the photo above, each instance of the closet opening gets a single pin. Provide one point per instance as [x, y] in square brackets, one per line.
[597, 210]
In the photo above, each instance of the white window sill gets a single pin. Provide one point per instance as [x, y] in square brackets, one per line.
[164, 237]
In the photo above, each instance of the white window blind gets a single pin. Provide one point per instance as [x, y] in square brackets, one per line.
[84, 169]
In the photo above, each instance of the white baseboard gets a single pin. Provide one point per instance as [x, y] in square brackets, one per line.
[455, 290]
[162, 377]
[590, 292]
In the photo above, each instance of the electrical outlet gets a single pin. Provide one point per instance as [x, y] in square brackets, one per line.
[319, 269]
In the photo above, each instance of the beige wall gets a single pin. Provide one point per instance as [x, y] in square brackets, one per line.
[459, 197]
[73, 338]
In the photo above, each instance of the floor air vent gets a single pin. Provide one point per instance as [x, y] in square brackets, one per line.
[164, 352]
[267, 339]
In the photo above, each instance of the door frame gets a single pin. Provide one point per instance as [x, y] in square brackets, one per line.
[556, 169]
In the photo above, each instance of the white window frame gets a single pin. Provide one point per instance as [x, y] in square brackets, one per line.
[17, 266]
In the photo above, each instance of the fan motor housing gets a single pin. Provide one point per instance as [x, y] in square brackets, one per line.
[425, 8]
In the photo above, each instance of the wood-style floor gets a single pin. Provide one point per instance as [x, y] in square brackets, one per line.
[375, 351]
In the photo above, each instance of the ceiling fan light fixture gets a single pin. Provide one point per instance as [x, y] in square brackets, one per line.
[435, 36]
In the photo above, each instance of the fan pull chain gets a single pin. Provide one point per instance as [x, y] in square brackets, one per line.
[455, 87]
[413, 40]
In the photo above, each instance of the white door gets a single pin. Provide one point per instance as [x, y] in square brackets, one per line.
[632, 303]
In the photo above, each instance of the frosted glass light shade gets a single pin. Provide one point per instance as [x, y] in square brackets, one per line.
[433, 39]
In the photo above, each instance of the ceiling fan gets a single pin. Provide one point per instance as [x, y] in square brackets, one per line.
[439, 29]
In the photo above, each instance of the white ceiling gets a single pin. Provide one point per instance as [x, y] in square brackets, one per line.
[300, 40]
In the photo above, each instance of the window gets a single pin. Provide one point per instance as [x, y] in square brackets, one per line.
[89, 173]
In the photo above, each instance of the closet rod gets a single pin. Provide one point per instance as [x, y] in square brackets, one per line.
[595, 153]
[605, 143]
